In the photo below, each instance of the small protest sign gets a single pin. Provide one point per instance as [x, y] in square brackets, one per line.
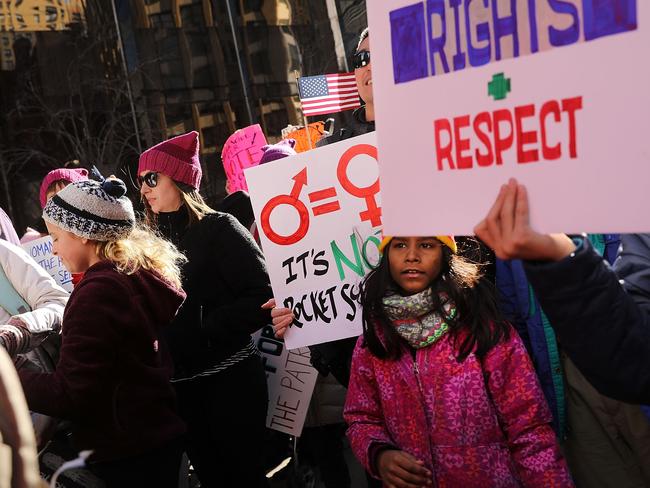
[306, 140]
[290, 378]
[241, 150]
[41, 251]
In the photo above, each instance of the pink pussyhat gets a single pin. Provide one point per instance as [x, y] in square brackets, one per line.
[177, 158]
[69, 175]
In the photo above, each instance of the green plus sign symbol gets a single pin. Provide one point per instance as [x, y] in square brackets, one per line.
[499, 87]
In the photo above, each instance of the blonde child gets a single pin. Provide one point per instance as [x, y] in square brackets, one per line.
[112, 379]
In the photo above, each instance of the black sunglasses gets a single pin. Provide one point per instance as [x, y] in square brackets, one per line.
[150, 179]
[361, 59]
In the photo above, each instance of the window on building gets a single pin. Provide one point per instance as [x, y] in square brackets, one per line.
[192, 15]
[162, 20]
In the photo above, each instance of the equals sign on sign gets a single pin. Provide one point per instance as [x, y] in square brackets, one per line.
[324, 208]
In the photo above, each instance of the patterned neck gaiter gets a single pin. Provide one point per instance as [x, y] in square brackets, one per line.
[415, 319]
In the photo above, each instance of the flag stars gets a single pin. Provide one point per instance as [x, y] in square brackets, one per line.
[313, 86]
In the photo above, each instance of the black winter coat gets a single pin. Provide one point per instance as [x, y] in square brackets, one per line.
[358, 127]
[604, 327]
[226, 283]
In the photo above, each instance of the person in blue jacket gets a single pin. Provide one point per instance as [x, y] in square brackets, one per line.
[519, 304]
[606, 442]
[602, 323]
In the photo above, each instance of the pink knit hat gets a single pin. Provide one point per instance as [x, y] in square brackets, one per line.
[65, 174]
[177, 158]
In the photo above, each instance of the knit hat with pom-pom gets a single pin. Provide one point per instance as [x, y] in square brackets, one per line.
[100, 211]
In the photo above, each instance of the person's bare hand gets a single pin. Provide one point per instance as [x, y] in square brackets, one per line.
[281, 317]
[506, 229]
[398, 469]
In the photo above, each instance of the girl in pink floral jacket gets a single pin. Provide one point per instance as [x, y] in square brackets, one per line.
[442, 391]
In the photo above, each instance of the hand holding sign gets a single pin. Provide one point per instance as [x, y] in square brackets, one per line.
[281, 317]
[506, 229]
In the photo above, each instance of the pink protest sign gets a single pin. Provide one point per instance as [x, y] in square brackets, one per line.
[469, 94]
[243, 149]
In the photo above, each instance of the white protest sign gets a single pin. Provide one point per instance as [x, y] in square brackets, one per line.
[290, 378]
[554, 93]
[319, 220]
[41, 250]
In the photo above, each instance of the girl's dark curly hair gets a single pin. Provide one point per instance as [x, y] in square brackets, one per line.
[477, 327]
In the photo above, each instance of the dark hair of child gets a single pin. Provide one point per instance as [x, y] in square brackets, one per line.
[478, 325]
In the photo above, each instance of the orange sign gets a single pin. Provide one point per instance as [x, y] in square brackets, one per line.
[316, 131]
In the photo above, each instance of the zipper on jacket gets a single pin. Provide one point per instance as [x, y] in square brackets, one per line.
[416, 371]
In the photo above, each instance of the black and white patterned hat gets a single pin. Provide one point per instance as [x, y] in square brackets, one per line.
[97, 211]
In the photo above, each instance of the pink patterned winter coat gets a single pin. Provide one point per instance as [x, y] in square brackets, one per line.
[474, 424]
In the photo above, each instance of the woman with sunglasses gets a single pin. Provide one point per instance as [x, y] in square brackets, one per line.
[219, 376]
[336, 357]
[363, 118]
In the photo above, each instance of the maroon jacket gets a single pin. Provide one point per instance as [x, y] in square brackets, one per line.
[112, 379]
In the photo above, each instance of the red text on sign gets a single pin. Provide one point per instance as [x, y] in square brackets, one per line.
[324, 201]
[464, 142]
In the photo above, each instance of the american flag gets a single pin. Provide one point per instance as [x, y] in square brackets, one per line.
[326, 94]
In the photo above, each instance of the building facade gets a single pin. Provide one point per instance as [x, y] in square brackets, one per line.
[169, 66]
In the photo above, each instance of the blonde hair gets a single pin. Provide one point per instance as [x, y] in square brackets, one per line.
[195, 205]
[144, 250]
[192, 201]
